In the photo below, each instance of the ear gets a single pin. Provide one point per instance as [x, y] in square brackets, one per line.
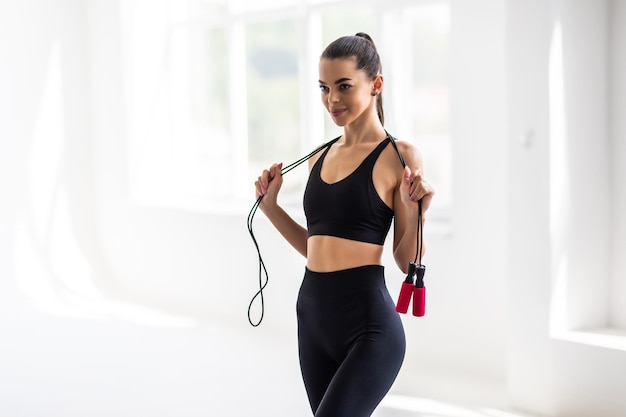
[379, 81]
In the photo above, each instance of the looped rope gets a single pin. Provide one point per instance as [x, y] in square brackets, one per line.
[262, 269]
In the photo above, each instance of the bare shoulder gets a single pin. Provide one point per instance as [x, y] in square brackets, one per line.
[313, 159]
[410, 153]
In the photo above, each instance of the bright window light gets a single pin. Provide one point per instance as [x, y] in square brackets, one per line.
[216, 91]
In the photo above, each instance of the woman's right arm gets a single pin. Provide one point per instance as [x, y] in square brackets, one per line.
[268, 185]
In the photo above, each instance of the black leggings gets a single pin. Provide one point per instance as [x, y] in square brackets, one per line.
[351, 340]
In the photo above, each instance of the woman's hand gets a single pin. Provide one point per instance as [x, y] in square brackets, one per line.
[268, 185]
[414, 188]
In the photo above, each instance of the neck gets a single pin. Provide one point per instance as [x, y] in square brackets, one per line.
[361, 131]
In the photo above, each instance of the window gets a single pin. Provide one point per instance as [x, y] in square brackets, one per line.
[218, 90]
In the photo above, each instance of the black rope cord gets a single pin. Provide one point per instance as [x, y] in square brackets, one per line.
[263, 275]
[262, 269]
[420, 232]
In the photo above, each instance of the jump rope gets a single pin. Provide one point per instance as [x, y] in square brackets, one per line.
[413, 285]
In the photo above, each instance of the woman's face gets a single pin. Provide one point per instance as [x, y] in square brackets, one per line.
[347, 91]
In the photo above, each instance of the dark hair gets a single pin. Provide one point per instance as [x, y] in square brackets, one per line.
[362, 47]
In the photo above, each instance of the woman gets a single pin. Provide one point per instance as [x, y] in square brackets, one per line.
[351, 340]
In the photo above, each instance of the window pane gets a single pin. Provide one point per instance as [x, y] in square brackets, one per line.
[238, 6]
[178, 110]
[430, 99]
[207, 8]
[348, 21]
[273, 97]
[210, 109]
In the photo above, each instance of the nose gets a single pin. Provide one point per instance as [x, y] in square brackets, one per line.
[333, 96]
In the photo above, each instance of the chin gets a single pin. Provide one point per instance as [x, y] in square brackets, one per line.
[339, 122]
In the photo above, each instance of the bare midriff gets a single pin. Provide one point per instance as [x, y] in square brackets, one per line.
[330, 253]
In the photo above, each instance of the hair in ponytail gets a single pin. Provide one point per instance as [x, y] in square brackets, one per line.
[362, 47]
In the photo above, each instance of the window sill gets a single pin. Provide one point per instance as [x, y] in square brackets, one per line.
[609, 338]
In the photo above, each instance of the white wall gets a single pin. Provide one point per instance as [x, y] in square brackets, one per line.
[548, 375]
[584, 143]
[488, 277]
[617, 130]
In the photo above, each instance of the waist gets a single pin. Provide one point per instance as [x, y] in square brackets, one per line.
[330, 253]
[336, 283]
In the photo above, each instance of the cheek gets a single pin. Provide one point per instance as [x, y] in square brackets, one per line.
[363, 98]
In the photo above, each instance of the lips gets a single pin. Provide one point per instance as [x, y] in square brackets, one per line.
[337, 112]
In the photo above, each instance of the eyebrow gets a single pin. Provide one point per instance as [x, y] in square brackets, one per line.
[339, 81]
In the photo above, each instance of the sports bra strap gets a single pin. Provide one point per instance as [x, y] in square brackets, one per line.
[393, 142]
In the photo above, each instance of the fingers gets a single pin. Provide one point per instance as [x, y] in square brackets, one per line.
[275, 170]
[418, 188]
[263, 182]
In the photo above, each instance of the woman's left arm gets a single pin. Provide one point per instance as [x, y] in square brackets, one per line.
[409, 190]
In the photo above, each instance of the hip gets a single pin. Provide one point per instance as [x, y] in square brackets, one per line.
[348, 305]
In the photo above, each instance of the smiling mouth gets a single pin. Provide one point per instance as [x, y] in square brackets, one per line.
[336, 113]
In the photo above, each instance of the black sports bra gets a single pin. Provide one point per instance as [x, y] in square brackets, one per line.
[350, 208]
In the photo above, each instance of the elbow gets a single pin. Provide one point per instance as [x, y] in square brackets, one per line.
[402, 261]
[304, 250]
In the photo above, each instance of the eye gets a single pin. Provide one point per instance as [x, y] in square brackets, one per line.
[345, 86]
[324, 88]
